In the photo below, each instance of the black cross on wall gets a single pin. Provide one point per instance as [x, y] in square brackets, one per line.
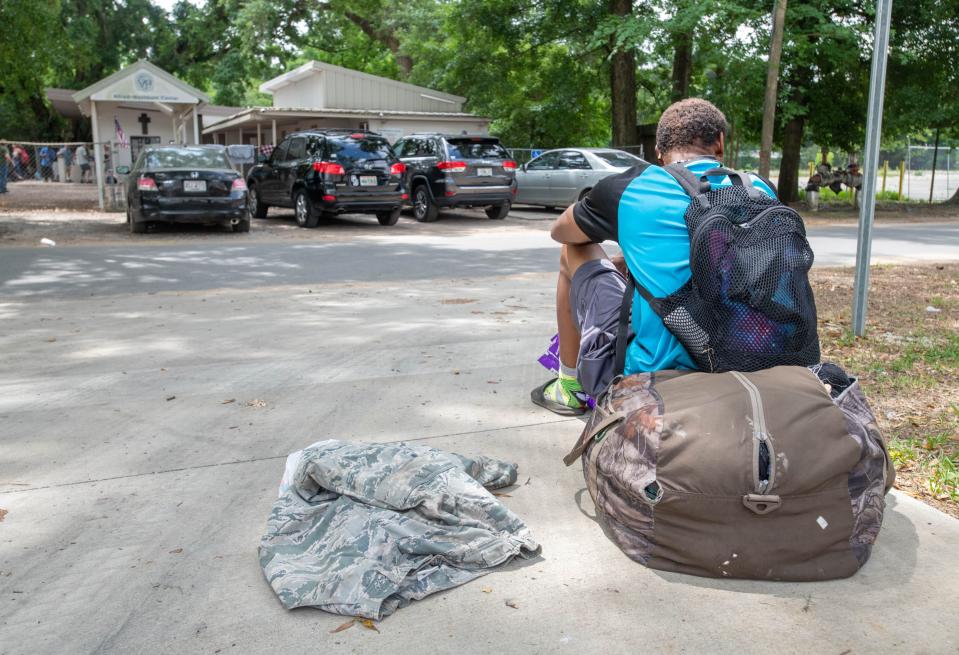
[144, 121]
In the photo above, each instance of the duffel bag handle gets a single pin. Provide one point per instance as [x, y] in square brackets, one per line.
[760, 504]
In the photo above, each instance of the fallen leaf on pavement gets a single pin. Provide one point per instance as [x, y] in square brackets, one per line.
[513, 604]
[3, 513]
[368, 624]
[256, 402]
[487, 590]
[498, 493]
[176, 551]
[171, 398]
[51, 339]
[228, 401]
[345, 626]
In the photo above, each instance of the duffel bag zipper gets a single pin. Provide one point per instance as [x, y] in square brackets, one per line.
[760, 437]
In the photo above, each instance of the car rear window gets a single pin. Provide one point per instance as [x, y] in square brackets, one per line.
[348, 150]
[617, 158]
[186, 158]
[474, 148]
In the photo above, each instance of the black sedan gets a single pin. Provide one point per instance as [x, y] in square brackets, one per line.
[185, 184]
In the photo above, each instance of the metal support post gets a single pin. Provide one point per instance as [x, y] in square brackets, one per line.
[877, 86]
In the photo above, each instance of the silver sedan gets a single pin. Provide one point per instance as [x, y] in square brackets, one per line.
[558, 178]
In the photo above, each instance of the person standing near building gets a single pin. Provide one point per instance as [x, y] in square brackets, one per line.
[5, 160]
[83, 161]
[47, 156]
[66, 155]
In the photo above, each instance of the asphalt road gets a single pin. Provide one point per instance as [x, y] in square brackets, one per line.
[149, 395]
[243, 261]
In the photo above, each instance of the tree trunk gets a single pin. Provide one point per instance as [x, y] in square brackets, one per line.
[622, 84]
[935, 157]
[789, 168]
[772, 86]
[682, 65]
[385, 37]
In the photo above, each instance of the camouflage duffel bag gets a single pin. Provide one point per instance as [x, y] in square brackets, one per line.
[763, 475]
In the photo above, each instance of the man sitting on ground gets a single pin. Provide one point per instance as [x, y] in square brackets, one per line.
[642, 210]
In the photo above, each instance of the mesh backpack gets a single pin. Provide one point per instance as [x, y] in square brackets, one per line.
[748, 304]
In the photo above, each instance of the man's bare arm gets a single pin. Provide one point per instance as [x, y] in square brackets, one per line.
[565, 230]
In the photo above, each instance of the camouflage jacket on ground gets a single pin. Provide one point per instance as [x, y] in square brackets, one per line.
[362, 529]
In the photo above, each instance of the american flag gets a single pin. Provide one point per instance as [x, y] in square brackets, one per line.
[121, 135]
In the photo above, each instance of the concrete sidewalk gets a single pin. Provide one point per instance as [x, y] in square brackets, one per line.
[136, 494]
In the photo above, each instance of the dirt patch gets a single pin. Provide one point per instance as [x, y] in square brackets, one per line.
[908, 364]
[49, 195]
[912, 212]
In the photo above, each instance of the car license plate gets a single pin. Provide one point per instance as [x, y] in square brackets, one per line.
[194, 186]
[484, 172]
[368, 180]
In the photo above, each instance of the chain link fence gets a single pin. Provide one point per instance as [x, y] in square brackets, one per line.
[63, 165]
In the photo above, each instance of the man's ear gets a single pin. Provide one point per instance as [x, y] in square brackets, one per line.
[659, 157]
[720, 146]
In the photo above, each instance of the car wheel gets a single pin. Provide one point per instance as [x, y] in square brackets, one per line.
[257, 207]
[242, 226]
[389, 217]
[303, 208]
[498, 212]
[135, 228]
[423, 208]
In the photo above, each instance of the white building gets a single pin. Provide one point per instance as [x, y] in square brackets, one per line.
[151, 106]
[318, 95]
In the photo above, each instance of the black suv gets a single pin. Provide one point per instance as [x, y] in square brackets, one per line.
[457, 171]
[321, 173]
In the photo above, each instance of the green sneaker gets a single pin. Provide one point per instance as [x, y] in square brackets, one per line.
[563, 395]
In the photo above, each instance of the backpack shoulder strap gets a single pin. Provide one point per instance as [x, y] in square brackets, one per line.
[692, 185]
[625, 311]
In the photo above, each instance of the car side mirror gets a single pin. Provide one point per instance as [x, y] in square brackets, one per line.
[122, 170]
[523, 168]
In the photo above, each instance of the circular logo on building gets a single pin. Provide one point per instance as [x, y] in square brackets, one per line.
[143, 82]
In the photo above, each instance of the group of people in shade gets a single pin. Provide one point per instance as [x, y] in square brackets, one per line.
[19, 162]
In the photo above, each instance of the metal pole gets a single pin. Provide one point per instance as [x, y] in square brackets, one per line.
[877, 86]
[196, 126]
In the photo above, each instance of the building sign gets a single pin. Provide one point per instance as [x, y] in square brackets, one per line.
[144, 86]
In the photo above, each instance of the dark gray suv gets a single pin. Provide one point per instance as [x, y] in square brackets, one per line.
[444, 170]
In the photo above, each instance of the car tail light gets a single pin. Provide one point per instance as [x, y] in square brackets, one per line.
[452, 166]
[328, 167]
[357, 135]
[146, 184]
[329, 198]
[509, 165]
[239, 184]
[450, 193]
[398, 168]
[405, 196]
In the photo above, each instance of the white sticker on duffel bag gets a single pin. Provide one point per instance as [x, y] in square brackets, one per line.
[823, 523]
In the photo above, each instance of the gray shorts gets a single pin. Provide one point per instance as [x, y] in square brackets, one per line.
[596, 295]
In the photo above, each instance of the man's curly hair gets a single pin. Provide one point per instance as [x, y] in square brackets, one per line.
[692, 122]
